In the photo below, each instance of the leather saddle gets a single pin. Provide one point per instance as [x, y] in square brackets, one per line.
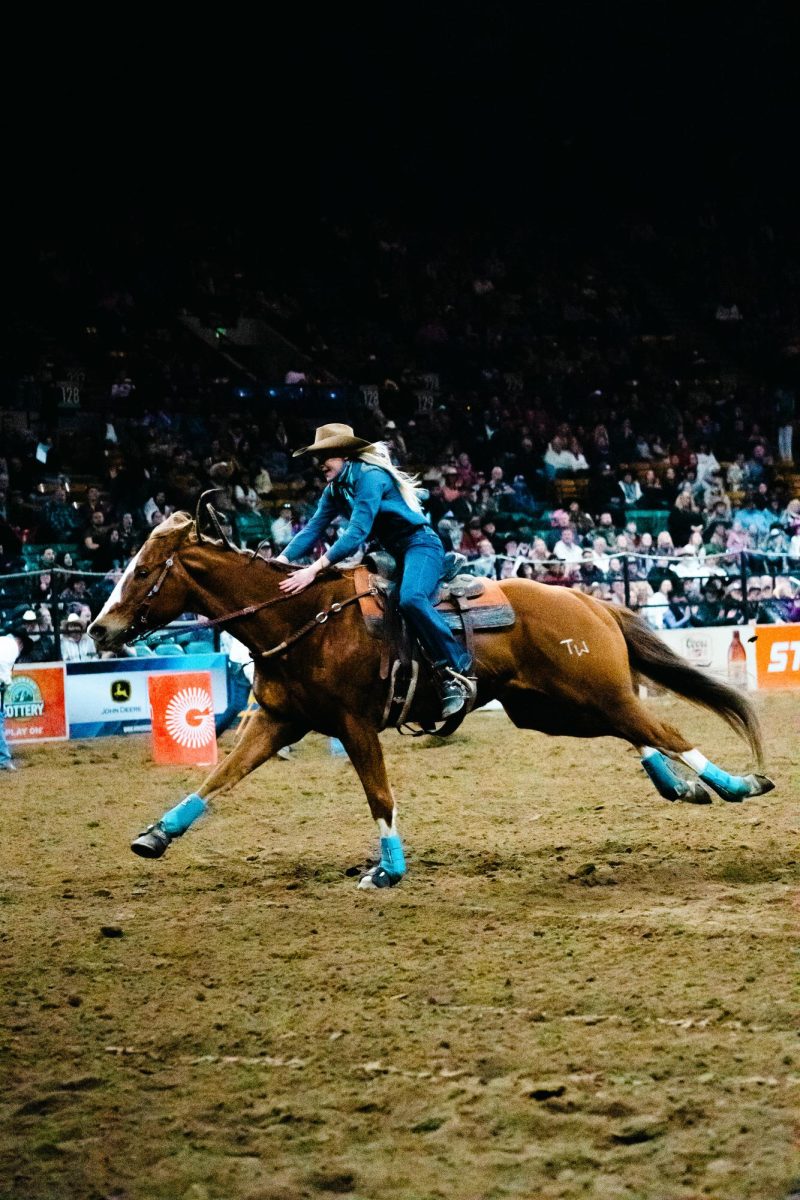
[467, 602]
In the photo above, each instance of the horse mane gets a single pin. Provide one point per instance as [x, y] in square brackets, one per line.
[185, 523]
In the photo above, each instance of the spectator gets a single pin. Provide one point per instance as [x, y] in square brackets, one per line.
[76, 645]
[631, 490]
[556, 575]
[760, 613]
[678, 614]
[710, 610]
[11, 646]
[732, 601]
[94, 540]
[559, 521]
[558, 460]
[486, 561]
[684, 519]
[60, 519]
[284, 527]
[245, 496]
[652, 496]
[262, 481]
[75, 593]
[42, 591]
[590, 572]
[471, 537]
[40, 646]
[567, 548]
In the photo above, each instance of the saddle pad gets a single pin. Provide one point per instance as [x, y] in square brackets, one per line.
[490, 610]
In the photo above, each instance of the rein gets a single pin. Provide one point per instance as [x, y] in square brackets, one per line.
[316, 621]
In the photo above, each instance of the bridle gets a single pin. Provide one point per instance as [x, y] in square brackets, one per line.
[140, 620]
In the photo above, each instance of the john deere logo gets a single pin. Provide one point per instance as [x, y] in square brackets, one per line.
[23, 698]
[121, 691]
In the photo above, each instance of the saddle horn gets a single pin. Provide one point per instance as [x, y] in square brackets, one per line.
[204, 504]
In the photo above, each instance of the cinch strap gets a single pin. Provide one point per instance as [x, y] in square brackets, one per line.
[178, 819]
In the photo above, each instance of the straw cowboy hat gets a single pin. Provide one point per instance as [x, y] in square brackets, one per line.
[334, 438]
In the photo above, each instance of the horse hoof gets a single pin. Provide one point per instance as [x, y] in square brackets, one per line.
[152, 843]
[759, 784]
[378, 878]
[695, 793]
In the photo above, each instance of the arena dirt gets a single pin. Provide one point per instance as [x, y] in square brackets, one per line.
[579, 990]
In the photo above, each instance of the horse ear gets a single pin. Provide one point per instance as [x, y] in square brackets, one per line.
[204, 504]
[198, 514]
[212, 512]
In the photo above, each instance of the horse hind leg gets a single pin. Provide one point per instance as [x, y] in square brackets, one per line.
[668, 783]
[645, 731]
[733, 788]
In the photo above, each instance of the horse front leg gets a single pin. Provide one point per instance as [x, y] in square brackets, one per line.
[263, 736]
[364, 748]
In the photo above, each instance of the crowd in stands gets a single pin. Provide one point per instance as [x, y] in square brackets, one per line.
[561, 426]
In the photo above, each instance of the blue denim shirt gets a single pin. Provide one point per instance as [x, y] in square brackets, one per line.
[372, 501]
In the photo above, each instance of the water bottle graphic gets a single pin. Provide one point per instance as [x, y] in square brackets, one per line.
[737, 661]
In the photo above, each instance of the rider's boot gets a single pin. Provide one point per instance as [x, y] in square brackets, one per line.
[456, 690]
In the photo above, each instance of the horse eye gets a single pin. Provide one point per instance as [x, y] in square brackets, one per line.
[142, 572]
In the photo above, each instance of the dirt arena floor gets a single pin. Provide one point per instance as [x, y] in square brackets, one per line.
[580, 990]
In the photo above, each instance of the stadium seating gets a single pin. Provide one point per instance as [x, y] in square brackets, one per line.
[198, 648]
[251, 528]
[168, 649]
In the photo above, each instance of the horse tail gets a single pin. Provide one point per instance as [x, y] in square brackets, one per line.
[651, 657]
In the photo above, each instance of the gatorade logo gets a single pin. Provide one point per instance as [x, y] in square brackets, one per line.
[189, 718]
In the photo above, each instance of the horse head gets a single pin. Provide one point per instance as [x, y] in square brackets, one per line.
[154, 588]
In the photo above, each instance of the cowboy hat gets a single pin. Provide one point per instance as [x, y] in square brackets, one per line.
[334, 437]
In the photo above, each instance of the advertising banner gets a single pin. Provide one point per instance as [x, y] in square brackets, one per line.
[183, 718]
[110, 695]
[35, 708]
[728, 651]
[778, 656]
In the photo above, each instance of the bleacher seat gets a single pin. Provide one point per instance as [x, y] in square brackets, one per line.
[198, 648]
[167, 649]
[251, 528]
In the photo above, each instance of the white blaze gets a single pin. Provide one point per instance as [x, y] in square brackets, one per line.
[116, 595]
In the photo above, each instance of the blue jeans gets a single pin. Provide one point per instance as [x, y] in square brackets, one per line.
[5, 753]
[238, 695]
[420, 558]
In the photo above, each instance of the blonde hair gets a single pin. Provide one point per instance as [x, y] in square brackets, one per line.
[377, 455]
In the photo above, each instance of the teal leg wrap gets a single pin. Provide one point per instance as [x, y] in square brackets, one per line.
[727, 786]
[668, 784]
[392, 858]
[178, 819]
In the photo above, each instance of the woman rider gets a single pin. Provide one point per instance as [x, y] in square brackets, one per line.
[380, 501]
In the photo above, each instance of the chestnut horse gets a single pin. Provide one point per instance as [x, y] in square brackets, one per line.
[569, 665]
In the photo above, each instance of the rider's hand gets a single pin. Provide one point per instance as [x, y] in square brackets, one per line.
[298, 580]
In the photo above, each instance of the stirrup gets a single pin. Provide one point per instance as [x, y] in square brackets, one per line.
[457, 692]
